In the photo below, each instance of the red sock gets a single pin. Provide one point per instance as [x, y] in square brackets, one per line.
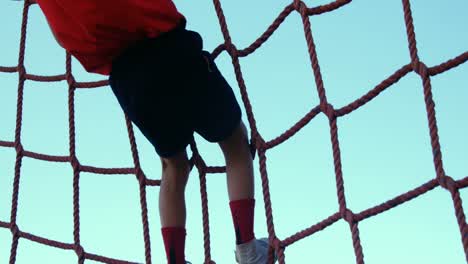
[174, 243]
[243, 217]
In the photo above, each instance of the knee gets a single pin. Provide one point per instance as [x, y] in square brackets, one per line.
[237, 144]
[175, 172]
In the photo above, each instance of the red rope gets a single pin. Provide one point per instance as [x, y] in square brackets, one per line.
[257, 142]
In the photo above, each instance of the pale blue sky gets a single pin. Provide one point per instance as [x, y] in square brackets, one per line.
[385, 145]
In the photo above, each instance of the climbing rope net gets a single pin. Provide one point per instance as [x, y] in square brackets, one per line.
[258, 144]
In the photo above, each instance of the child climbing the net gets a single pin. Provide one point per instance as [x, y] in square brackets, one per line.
[170, 88]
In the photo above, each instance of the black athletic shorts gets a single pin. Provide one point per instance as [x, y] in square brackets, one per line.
[170, 88]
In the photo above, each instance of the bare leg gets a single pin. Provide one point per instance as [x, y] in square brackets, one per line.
[172, 209]
[239, 165]
[172, 206]
[240, 183]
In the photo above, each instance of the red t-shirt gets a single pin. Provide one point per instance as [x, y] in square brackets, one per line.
[96, 31]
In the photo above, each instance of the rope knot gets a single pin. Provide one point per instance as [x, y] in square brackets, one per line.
[348, 216]
[70, 79]
[277, 244]
[328, 110]
[14, 230]
[22, 72]
[420, 68]
[140, 175]
[231, 49]
[299, 6]
[448, 183]
[75, 163]
[79, 250]
[258, 142]
[19, 149]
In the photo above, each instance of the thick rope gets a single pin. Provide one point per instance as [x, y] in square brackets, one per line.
[258, 144]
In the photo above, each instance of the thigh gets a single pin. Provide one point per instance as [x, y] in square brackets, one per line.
[150, 92]
[215, 108]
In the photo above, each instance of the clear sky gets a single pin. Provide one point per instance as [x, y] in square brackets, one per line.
[385, 145]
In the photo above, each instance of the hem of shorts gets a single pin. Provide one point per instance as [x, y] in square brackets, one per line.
[169, 154]
[228, 132]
